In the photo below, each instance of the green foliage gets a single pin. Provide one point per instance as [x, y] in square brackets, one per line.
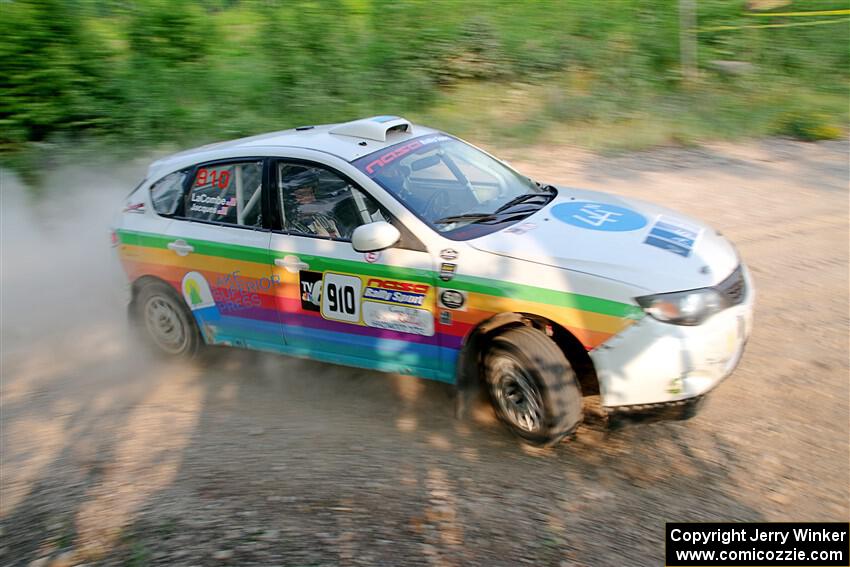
[807, 125]
[168, 32]
[179, 71]
[52, 73]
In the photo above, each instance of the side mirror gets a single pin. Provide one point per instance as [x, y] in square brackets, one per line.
[374, 236]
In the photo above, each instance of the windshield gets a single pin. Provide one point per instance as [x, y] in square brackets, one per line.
[457, 189]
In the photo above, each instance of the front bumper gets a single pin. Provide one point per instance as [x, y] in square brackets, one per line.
[658, 364]
[620, 416]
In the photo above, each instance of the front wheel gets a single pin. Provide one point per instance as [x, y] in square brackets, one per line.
[532, 385]
[166, 322]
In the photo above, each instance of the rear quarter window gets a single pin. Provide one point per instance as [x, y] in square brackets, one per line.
[166, 193]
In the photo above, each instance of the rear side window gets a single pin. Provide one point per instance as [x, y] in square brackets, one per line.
[166, 193]
[227, 193]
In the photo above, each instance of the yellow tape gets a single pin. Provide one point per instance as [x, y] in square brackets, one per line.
[790, 14]
[791, 25]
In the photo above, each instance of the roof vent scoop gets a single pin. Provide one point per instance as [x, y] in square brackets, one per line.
[375, 128]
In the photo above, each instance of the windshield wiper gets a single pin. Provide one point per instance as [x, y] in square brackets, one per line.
[484, 218]
[521, 199]
[473, 217]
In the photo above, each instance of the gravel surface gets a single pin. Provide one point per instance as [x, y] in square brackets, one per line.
[112, 457]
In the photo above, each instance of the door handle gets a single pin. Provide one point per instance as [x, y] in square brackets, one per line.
[181, 247]
[292, 264]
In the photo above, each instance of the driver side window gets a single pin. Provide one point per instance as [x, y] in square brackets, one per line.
[319, 203]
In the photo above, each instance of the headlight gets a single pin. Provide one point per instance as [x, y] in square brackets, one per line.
[683, 307]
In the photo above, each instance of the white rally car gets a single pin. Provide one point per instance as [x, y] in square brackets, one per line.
[382, 244]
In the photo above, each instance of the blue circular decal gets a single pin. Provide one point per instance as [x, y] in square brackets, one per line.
[598, 216]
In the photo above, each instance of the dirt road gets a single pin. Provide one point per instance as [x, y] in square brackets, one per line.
[110, 457]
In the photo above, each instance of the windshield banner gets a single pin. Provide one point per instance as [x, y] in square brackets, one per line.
[373, 163]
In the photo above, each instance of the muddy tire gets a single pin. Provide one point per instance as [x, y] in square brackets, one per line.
[165, 323]
[532, 386]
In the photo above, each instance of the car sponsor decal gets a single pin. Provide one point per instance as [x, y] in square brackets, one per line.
[211, 204]
[341, 297]
[673, 235]
[448, 254]
[447, 271]
[598, 216]
[233, 292]
[372, 257]
[338, 297]
[196, 291]
[445, 318]
[392, 291]
[398, 318]
[311, 290]
[199, 298]
[375, 164]
[452, 299]
[213, 178]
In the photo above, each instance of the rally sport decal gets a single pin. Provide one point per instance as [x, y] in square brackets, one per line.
[369, 301]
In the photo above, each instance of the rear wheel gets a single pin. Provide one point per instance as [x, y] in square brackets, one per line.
[532, 385]
[166, 322]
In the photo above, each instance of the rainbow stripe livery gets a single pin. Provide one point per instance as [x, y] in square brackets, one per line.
[255, 305]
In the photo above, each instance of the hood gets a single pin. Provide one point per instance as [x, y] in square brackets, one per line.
[622, 239]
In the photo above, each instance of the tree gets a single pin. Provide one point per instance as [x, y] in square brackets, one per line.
[53, 75]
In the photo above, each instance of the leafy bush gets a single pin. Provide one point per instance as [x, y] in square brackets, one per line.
[807, 126]
[179, 71]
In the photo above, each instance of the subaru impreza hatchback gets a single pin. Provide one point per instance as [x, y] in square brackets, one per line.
[386, 245]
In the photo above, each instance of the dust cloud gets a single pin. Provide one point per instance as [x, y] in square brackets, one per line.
[83, 398]
[60, 277]
[77, 386]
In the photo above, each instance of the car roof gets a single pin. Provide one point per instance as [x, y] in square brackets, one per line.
[346, 140]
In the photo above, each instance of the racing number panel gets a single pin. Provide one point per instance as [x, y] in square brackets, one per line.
[368, 301]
